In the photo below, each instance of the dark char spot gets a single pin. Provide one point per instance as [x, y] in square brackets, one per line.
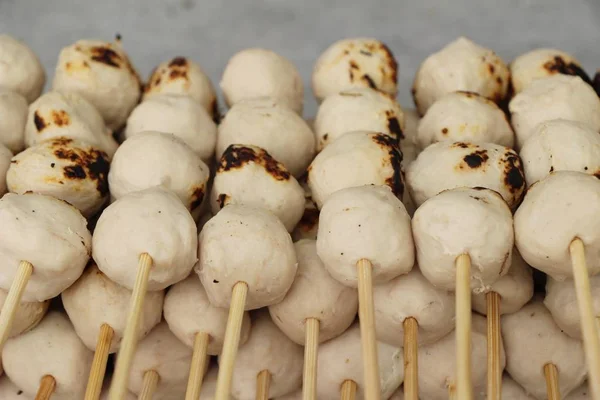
[75, 172]
[513, 173]
[86, 162]
[396, 181]
[394, 125]
[178, 61]
[369, 81]
[197, 197]
[558, 65]
[215, 281]
[106, 56]
[445, 131]
[39, 122]
[222, 200]
[476, 159]
[237, 156]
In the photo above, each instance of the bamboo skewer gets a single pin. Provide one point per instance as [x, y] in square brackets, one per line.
[232, 340]
[591, 342]
[149, 385]
[47, 386]
[367, 330]
[263, 383]
[311, 348]
[129, 343]
[551, 374]
[348, 391]
[494, 368]
[198, 366]
[411, 366]
[464, 391]
[94, 386]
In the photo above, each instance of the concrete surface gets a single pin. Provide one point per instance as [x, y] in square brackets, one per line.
[211, 31]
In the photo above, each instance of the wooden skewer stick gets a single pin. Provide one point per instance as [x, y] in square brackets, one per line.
[411, 366]
[149, 385]
[94, 386]
[47, 386]
[11, 304]
[263, 384]
[198, 366]
[551, 374]
[231, 341]
[348, 390]
[367, 330]
[464, 391]
[591, 342]
[311, 348]
[494, 368]
[118, 387]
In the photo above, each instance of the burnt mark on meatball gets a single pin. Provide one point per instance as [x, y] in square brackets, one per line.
[178, 62]
[222, 200]
[597, 174]
[514, 177]
[353, 67]
[468, 94]
[482, 199]
[107, 56]
[596, 83]
[39, 122]
[365, 53]
[369, 81]
[391, 62]
[396, 181]
[491, 68]
[462, 145]
[394, 125]
[559, 66]
[85, 163]
[196, 197]
[60, 117]
[444, 131]
[476, 159]
[237, 156]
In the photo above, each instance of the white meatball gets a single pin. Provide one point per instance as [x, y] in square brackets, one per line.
[13, 114]
[51, 235]
[314, 294]
[511, 390]
[10, 391]
[341, 359]
[248, 175]
[366, 222]
[67, 169]
[398, 394]
[27, 316]
[188, 312]
[271, 126]
[541, 63]
[268, 349]
[152, 159]
[246, 244]
[437, 363]
[152, 221]
[183, 76]
[5, 162]
[68, 115]
[356, 159]
[297, 395]
[407, 296]
[163, 353]
[461, 65]
[255, 72]
[180, 115]
[560, 145]
[355, 63]
[52, 348]
[515, 288]
[555, 97]
[581, 393]
[532, 339]
[464, 117]
[102, 73]
[476, 222]
[449, 165]
[561, 300]
[556, 210]
[94, 300]
[20, 69]
[359, 109]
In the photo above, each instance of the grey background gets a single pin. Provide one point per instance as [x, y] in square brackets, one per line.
[211, 31]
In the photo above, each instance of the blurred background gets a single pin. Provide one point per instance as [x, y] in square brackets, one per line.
[211, 31]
